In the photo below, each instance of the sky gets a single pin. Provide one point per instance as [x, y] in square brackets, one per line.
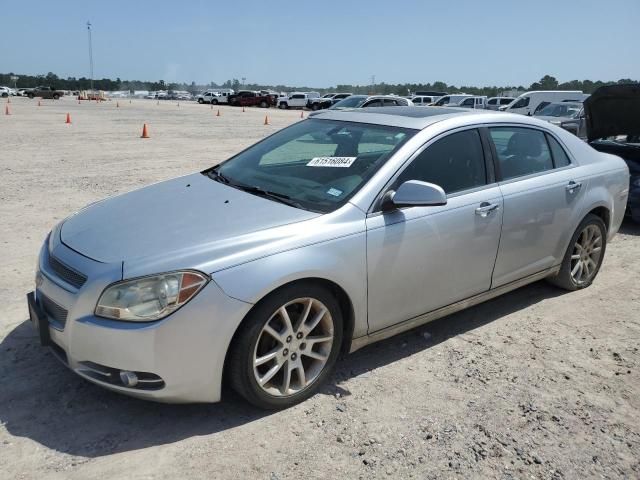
[321, 44]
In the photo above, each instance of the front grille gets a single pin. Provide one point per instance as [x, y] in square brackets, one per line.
[68, 274]
[56, 313]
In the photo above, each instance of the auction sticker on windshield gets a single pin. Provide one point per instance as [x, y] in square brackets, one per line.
[341, 162]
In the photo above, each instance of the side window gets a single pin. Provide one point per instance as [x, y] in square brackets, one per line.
[455, 162]
[505, 101]
[560, 157]
[467, 103]
[297, 97]
[521, 151]
[373, 103]
[390, 103]
[541, 106]
[493, 101]
[521, 103]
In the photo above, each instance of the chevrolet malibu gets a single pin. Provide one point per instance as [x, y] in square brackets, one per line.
[331, 234]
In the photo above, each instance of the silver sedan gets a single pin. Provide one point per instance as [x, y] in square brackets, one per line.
[333, 233]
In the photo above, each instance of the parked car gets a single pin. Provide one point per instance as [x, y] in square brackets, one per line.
[559, 112]
[453, 100]
[369, 101]
[24, 92]
[150, 95]
[45, 92]
[297, 99]
[610, 123]
[249, 98]
[528, 102]
[431, 211]
[326, 100]
[494, 103]
[430, 93]
[476, 102]
[423, 100]
[5, 92]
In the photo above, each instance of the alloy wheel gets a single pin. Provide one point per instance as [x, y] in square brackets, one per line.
[586, 254]
[293, 347]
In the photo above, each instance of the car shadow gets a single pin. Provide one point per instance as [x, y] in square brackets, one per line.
[629, 227]
[45, 402]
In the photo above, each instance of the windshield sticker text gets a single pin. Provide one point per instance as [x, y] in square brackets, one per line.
[334, 192]
[341, 162]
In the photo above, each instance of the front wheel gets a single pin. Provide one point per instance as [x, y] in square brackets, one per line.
[263, 104]
[287, 346]
[315, 107]
[215, 102]
[200, 101]
[56, 96]
[584, 255]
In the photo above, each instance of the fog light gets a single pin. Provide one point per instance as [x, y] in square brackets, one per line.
[128, 379]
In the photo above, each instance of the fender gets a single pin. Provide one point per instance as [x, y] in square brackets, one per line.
[341, 261]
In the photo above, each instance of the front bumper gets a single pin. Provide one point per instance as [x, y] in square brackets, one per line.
[181, 356]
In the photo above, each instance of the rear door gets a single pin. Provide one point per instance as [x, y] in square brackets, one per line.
[423, 258]
[541, 190]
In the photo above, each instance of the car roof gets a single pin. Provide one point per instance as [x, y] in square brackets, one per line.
[416, 118]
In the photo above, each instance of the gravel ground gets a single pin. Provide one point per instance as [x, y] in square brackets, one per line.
[539, 383]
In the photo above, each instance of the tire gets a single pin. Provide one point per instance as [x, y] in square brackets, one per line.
[589, 253]
[56, 96]
[30, 96]
[5, 94]
[214, 101]
[291, 351]
[263, 104]
[284, 106]
[315, 107]
[200, 101]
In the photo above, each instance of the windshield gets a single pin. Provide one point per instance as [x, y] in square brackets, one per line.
[353, 101]
[314, 164]
[560, 110]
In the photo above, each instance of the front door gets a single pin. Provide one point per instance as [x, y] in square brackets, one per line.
[422, 258]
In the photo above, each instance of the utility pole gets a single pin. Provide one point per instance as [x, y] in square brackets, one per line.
[90, 55]
[243, 80]
[373, 84]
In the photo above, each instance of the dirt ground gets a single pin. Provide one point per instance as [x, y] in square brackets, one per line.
[536, 384]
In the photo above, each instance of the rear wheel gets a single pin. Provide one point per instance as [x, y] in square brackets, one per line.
[56, 96]
[263, 104]
[286, 347]
[214, 101]
[584, 255]
[200, 101]
[315, 106]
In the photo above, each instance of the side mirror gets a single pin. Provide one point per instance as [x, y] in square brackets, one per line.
[414, 193]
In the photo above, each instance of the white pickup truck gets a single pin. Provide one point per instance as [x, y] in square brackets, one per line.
[296, 99]
[215, 97]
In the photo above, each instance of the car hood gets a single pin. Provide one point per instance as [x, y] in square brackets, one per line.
[180, 215]
[613, 110]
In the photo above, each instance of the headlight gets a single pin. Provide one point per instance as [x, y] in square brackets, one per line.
[149, 298]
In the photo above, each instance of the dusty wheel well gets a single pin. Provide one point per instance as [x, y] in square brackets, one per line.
[604, 214]
[346, 307]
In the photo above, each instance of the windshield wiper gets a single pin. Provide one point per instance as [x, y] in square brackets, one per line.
[278, 197]
[215, 174]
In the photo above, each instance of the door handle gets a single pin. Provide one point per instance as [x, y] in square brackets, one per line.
[486, 208]
[573, 187]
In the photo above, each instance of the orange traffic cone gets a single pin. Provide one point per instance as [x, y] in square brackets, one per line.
[6, 110]
[158, 102]
[242, 109]
[212, 106]
[178, 104]
[78, 101]
[68, 120]
[38, 102]
[8, 100]
[218, 114]
[117, 104]
[301, 114]
[266, 120]
[145, 132]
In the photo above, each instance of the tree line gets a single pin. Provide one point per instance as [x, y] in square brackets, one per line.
[547, 82]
